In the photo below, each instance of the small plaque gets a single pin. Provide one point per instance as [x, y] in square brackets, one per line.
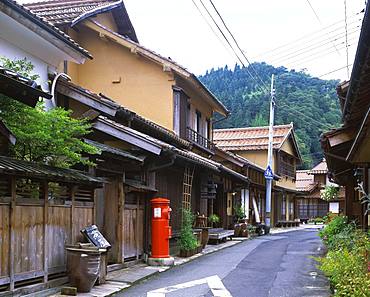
[93, 234]
[157, 212]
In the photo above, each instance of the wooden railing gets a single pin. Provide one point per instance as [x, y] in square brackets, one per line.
[196, 138]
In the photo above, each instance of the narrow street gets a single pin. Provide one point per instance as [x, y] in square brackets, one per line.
[274, 265]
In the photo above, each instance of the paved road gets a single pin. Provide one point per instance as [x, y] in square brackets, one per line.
[274, 265]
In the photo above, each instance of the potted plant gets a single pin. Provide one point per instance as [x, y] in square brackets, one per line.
[239, 214]
[187, 241]
[213, 219]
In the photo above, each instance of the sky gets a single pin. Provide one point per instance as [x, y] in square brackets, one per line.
[177, 29]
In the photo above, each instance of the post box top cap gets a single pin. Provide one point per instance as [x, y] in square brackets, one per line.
[160, 200]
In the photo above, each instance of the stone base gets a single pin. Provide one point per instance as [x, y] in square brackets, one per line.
[161, 261]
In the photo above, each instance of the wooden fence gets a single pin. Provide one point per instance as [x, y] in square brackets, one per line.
[37, 220]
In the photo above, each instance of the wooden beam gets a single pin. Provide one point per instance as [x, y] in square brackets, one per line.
[85, 99]
[341, 137]
[128, 135]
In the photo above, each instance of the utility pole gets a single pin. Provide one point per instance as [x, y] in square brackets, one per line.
[269, 173]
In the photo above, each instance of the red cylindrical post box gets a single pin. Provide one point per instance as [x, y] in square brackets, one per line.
[161, 230]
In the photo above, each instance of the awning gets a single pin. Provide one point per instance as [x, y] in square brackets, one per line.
[115, 151]
[20, 88]
[139, 185]
[10, 166]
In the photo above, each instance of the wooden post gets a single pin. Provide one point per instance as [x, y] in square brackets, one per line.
[73, 191]
[12, 232]
[46, 230]
[121, 217]
[287, 207]
[95, 214]
[137, 226]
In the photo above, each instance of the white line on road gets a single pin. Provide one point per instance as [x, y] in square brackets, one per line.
[214, 283]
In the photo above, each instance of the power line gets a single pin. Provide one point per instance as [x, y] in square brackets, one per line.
[237, 44]
[281, 47]
[228, 42]
[345, 22]
[210, 26]
[304, 115]
[335, 70]
[320, 55]
[304, 50]
[317, 17]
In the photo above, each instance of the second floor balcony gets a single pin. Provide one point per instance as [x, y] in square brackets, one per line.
[199, 140]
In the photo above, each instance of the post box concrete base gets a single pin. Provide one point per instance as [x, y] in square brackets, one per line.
[161, 261]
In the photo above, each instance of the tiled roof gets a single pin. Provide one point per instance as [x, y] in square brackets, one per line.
[72, 12]
[20, 88]
[304, 181]
[181, 153]
[251, 138]
[9, 166]
[138, 120]
[48, 26]
[321, 168]
[61, 12]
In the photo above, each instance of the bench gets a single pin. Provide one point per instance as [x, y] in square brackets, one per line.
[220, 235]
[287, 224]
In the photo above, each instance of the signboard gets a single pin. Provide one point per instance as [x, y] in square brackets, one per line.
[157, 212]
[268, 173]
[93, 234]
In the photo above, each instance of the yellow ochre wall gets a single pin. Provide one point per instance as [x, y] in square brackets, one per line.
[141, 85]
[260, 158]
[133, 81]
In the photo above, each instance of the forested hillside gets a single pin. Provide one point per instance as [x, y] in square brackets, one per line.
[310, 103]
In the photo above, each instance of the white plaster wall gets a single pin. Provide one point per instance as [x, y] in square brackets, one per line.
[40, 67]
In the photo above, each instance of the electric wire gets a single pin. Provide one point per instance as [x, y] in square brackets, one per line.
[229, 43]
[237, 44]
[317, 45]
[210, 26]
[317, 17]
[335, 70]
[346, 28]
[304, 115]
[283, 46]
[319, 55]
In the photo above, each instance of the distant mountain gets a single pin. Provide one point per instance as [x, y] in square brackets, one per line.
[309, 102]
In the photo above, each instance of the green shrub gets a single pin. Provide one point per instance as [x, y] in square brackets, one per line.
[347, 272]
[346, 261]
[214, 219]
[187, 240]
[336, 226]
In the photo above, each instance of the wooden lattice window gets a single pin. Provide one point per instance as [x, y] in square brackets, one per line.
[29, 189]
[59, 194]
[187, 187]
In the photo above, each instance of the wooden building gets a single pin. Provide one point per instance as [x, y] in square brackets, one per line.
[142, 159]
[310, 184]
[347, 147]
[42, 208]
[251, 143]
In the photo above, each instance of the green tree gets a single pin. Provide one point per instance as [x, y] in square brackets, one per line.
[297, 93]
[51, 137]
